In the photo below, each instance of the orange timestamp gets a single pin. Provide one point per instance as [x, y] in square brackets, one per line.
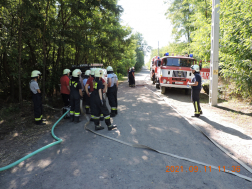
[191, 169]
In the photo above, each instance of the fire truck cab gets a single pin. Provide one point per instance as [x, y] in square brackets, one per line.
[175, 72]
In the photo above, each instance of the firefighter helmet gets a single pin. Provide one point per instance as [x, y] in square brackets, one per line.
[76, 73]
[195, 67]
[35, 73]
[109, 69]
[93, 71]
[98, 73]
[66, 71]
[87, 72]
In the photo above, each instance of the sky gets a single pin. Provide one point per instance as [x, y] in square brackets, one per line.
[148, 18]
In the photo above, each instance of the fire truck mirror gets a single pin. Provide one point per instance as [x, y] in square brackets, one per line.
[200, 65]
[159, 63]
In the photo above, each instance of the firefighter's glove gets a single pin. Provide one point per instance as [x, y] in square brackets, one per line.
[102, 102]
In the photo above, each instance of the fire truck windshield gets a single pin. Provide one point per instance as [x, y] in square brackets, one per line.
[181, 62]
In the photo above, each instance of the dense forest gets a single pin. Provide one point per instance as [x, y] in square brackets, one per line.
[51, 35]
[191, 22]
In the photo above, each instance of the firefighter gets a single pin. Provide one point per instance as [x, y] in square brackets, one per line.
[112, 90]
[196, 88]
[98, 102]
[87, 98]
[65, 89]
[36, 97]
[153, 76]
[75, 96]
[132, 77]
[90, 84]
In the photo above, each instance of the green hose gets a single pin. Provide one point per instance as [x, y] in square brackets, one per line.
[40, 149]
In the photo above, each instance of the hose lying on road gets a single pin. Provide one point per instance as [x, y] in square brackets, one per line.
[40, 149]
[179, 157]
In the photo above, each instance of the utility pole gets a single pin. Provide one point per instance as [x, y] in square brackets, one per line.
[214, 60]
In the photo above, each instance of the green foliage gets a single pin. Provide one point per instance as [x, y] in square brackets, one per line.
[236, 49]
[59, 34]
[192, 21]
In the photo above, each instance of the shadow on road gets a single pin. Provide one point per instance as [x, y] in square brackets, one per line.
[226, 129]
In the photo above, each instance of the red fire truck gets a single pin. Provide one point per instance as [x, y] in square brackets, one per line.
[175, 72]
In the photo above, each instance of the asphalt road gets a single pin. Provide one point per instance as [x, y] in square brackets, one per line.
[85, 160]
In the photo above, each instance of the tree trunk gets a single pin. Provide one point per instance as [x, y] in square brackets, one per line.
[19, 60]
[44, 52]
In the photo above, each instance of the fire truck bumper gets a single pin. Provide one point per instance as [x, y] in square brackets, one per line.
[174, 86]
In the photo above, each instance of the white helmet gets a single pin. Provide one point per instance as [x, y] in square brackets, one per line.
[35, 73]
[66, 71]
[195, 67]
[98, 73]
[76, 73]
[109, 69]
[87, 72]
[92, 71]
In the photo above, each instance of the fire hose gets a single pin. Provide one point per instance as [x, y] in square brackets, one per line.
[58, 140]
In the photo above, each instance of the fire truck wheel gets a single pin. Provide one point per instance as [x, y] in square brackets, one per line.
[163, 90]
[157, 86]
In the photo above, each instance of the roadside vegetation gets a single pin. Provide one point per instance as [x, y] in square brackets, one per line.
[191, 22]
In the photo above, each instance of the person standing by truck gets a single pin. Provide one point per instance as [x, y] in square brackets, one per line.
[196, 88]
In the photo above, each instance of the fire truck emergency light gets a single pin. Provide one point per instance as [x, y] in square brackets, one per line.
[167, 54]
[191, 55]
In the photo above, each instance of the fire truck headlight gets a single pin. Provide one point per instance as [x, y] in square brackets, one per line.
[164, 81]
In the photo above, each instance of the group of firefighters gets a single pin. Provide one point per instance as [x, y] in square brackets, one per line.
[95, 89]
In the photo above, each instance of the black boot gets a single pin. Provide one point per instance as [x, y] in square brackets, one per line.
[40, 123]
[98, 127]
[71, 118]
[112, 114]
[111, 127]
[116, 112]
[76, 119]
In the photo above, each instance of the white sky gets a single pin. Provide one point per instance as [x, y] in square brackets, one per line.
[148, 18]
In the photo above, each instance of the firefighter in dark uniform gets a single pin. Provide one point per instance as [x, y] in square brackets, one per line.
[75, 96]
[36, 98]
[98, 102]
[112, 90]
[196, 88]
[87, 98]
[132, 77]
[89, 83]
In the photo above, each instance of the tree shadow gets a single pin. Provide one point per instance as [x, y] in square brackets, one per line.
[233, 111]
[225, 129]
